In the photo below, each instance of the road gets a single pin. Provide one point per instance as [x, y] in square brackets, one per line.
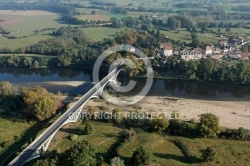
[27, 152]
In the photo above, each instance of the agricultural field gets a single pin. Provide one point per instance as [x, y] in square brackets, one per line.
[162, 148]
[102, 15]
[22, 25]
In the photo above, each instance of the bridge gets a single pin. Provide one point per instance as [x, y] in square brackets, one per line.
[41, 143]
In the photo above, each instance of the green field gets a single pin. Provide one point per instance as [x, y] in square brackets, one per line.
[164, 151]
[181, 35]
[22, 42]
[99, 33]
[95, 17]
[24, 26]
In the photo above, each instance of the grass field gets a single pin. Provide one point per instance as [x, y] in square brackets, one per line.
[24, 23]
[22, 42]
[11, 131]
[103, 15]
[164, 151]
[182, 35]
[137, 14]
[93, 17]
[99, 33]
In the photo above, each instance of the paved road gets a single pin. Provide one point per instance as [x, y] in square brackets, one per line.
[27, 152]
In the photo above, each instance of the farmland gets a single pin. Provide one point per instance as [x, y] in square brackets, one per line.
[22, 25]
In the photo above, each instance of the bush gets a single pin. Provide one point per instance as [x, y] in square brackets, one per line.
[117, 162]
[73, 137]
[160, 124]
[128, 135]
[117, 116]
[177, 127]
[209, 125]
[89, 128]
[140, 157]
[181, 146]
[209, 154]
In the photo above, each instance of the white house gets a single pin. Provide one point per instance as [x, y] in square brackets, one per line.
[191, 55]
[166, 49]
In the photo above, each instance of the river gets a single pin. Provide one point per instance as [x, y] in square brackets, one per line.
[23, 77]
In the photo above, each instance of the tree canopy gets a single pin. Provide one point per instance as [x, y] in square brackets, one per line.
[81, 154]
[40, 103]
[209, 125]
[140, 157]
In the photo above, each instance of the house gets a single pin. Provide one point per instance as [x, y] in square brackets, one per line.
[217, 56]
[234, 55]
[197, 49]
[208, 50]
[223, 43]
[166, 49]
[190, 55]
[239, 39]
[216, 51]
[244, 55]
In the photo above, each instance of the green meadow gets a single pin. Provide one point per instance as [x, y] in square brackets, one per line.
[163, 151]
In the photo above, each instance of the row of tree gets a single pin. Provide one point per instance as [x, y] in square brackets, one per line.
[211, 70]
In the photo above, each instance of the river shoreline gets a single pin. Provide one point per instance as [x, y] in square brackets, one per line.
[156, 76]
[232, 114]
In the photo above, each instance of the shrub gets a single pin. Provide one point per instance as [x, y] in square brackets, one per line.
[73, 137]
[160, 124]
[128, 135]
[117, 116]
[117, 162]
[88, 128]
[209, 125]
[209, 154]
[140, 157]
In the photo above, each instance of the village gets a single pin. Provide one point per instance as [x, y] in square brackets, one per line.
[231, 49]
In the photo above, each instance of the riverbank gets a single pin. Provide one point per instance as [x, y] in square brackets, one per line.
[232, 114]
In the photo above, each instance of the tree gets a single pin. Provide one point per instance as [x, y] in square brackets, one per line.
[195, 40]
[209, 125]
[36, 64]
[40, 103]
[209, 154]
[117, 116]
[81, 154]
[46, 162]
[227, 30]
[219, 31]
[241, 134]
[7, 89]
[88, 128]
[160, 124]
[27, 62]
[93, 12]
[140, 157]
[13, 60]
[172, 22]
[117, 162]
[64, 61]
